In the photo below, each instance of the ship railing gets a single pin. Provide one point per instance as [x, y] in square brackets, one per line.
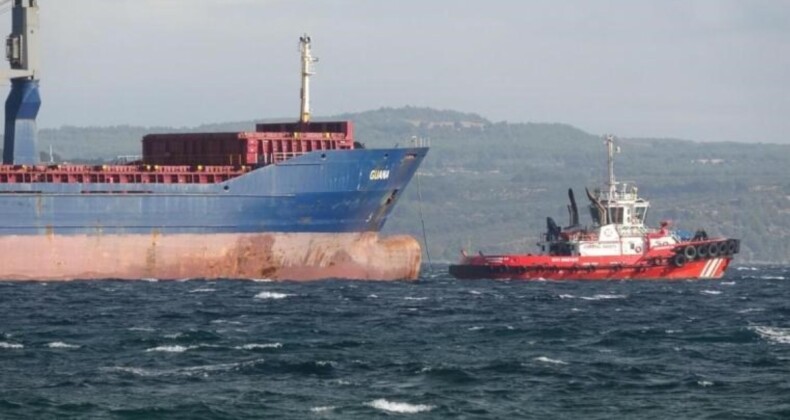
[625, 191]
[278, 157]
[115, 174]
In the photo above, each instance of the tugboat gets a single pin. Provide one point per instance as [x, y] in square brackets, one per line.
[618, 245]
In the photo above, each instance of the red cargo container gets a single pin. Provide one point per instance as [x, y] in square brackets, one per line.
[272, 143]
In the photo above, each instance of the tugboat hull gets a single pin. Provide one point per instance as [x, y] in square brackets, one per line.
[658, 264]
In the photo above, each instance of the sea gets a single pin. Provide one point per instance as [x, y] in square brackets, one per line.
[438, 348]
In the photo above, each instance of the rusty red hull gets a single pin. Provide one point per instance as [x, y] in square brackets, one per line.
[276, 256]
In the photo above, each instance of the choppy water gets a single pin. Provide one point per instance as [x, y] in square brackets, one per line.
[436, 349]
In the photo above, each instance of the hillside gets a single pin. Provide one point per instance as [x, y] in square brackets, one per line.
[489, 186]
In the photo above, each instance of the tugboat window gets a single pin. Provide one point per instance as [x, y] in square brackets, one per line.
[639, 213]
[616, 215]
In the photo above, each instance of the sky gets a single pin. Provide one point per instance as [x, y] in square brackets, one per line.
[705, 70]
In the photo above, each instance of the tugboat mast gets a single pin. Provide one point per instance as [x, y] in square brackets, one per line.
[612, 184]
[307, 71]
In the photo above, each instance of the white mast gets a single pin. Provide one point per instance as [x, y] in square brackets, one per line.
[612, 184]
[307, 71]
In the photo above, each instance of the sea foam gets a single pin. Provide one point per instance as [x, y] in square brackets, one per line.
[774, 334]
[271, 295]
[399, 407]
[171, 349]
[62, 345]
[545, 359]
[259, 346]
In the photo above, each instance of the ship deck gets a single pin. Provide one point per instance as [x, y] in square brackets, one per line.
[119, 174]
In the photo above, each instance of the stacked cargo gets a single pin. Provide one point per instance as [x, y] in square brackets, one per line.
[271, 143]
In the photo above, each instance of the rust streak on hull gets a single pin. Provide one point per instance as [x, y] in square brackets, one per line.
[277, 256]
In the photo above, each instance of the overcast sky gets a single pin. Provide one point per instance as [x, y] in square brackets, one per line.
[701, 70]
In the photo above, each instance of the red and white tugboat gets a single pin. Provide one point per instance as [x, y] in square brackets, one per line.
[617, 246]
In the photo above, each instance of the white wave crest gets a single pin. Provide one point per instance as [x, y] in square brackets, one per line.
[772, 277]
[728, 283]
[399, 407]
[262, 280]
[150, 280]
[259, 346]
[171, 349]
[748, 310]
[5, 345]
[475, 328]
[567, 297]
[746, 268]
[603, 297]
[373, 296]
[545, 359]
[271, 295]
[322, 409]
[704, 383]
[203, 290]
[62, 345]
[225, 321]
[475, 292]
[415, 298]
[711, 292]
[147, 329]
[201, 370]
[774, 334]
[131, 370]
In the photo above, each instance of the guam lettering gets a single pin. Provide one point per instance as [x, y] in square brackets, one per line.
[379, 174]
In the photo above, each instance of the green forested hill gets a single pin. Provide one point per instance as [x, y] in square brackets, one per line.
[489, 186]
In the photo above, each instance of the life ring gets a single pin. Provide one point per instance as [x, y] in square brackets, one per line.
[690, 252]
[638, 250]
[702, 251]
[679, 260]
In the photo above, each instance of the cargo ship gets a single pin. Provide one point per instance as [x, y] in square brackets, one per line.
[295, 200]
[618, 245]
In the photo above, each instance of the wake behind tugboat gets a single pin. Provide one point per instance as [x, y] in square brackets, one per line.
[618, 246]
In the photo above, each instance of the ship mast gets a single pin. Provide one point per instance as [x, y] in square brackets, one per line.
[24, 100]
[612, 184]
[307, 71]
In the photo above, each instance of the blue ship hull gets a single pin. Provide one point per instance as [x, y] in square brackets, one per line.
[311, 217]
[329, 191]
